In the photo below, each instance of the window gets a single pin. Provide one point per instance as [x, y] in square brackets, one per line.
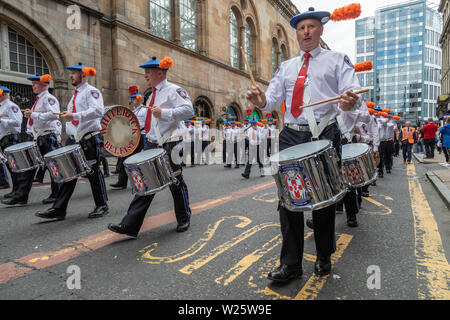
[274, 55]
[284, 54]
[24, 58]
[234, 40]
[187, 24]
[160, 24]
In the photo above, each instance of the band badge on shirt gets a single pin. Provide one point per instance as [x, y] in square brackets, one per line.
[51, 101]
[183, 93]
[15, 109]
[95, 94]
[347, 61]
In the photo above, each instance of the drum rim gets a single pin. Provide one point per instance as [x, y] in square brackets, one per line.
[29, 144]
[163, 151]
[70, 147]
[357, 156]
[325, 148]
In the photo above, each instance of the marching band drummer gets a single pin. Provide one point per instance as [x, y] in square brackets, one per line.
[141, 113]
[10, 126]
[325, 74]
[83, 115]
[170, 106]
[44, 125]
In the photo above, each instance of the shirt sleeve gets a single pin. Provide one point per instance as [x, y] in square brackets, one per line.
[14, 118]
[182, 106]
[275, 93]
[51, 105]
[94, 101]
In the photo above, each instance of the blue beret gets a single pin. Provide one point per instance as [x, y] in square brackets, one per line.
[37, 78]
[5, 89]
[78, 67]
[253, 121]
[322, 16]
[135, 95]
[377, 109]
[154, 63]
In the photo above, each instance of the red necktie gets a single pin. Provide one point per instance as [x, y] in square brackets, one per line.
[253, 135]
[148, 119]
[74, 109]
[30, 121]
[297, 97]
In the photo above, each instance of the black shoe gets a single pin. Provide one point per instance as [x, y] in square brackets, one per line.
[106, 175]
[380, 175]
[118, 186]
[8, 195]
[38, 181]
[352, 223]
[114, 172]
[237, 166]
[4, 186]
[322, 266]
[365, 194]
[182, 227]
[388, 171]
[51, 214]
[99, 212]
[227, 166]
[14, 202]
[49, 200]
[309, 223]
[120, 228]
[339, 211]
[285, 273]
[246, 176]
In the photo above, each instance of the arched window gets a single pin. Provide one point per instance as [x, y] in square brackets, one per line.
[160, 22]
[283, 54]
[248, 45]
[234, 40]
[274, 55]
[202, 108]
[188, 26]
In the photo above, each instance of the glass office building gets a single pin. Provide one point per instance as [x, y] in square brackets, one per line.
[407, 59]
[365, 51]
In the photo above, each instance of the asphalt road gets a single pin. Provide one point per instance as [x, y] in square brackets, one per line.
[400, 250]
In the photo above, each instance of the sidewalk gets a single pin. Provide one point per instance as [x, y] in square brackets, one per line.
[439, 177]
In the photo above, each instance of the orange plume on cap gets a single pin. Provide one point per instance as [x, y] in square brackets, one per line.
[396, 118]
[260, 124]
[46, 78]
[275, 120]
[166, 63]
[383, 114]
[371, 111]
[208, 120]
[1, 92]
[89, 71]
[386, 110]
[352, 11]
[238, 123]
[370, 104]
[139, 97]
[264, 120]
[363, 66]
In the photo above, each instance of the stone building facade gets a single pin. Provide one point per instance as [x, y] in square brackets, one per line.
[203, 37]
[444, 98]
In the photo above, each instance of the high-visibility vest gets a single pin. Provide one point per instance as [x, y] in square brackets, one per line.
[408, 133]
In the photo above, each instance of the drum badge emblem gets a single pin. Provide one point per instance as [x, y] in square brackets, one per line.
[12, 162]
[138, 181]
[54, 170]
[353, 174]
[297, 187]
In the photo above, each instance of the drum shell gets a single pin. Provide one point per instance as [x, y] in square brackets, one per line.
[3, 159]
[149, 176]
[24, 159]
[67, 165]
[358, 170]
[320, 173]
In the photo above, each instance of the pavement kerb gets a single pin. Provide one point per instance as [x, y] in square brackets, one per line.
[443, 191]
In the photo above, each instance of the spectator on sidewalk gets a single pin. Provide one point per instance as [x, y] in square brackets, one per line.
[419, 139]
[429, 136]
[445, 134]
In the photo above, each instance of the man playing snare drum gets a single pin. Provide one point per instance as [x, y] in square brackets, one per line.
[170, 106]
[315, 75]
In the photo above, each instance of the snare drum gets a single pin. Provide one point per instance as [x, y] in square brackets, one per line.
[3, 159]
[358, 165]
[24, 157]
[67, 163]
[149, 171]
[308, 176]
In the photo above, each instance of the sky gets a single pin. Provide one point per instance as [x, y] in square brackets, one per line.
[340, 36]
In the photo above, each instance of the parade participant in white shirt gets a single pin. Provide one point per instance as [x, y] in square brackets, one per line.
[171, 105]
[323, 74]
[44, 125]
[205, 139]
[10, 126]
[385, 128]
[254, 137]
[83, 115]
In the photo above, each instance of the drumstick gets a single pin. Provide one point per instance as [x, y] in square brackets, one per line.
[43, 111]
[332, 99]
[250, 73]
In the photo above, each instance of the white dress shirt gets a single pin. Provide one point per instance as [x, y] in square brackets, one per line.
[45, 121]
[89, 111]
[141, 115]
[12, 118]
[176, 106]
[205, 133]
[330, 74]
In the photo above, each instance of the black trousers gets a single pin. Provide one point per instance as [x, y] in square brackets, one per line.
[91, 149]
[4, 181]
[292, 223]
[18, 179]
[252, 151]
[429, 147]
[140, 204]
[396, 148]
[122, 174]
[386, 155]
[407, 150]
[45, 144]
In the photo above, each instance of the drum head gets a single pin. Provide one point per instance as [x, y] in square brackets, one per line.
[121, 131]
[20, 146]
[144, 156]
[303, 150]
[352, 150]
[62, 150]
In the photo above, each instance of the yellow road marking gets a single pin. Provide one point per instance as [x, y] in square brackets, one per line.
[388, 210]
[192, 250]
[433, 270]
[198, 263]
